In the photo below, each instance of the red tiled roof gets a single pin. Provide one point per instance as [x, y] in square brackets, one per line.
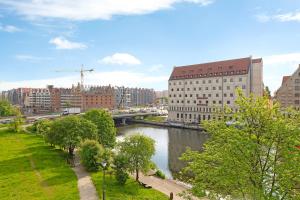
[219, 68]
[284, 79]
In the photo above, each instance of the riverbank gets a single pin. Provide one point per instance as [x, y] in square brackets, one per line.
[167, 124]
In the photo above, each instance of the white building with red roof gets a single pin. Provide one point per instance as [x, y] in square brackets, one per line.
[199, 92]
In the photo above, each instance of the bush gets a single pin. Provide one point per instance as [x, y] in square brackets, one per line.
[121, 176]
[90, 153]
[121, 167]
[160, 174]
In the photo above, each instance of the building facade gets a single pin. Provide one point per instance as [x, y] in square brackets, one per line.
[288, 95]
[199, 92]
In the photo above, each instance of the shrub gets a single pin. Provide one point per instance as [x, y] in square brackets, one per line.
[90, 153]
[121, 167]
[160, 174]
[121, 176]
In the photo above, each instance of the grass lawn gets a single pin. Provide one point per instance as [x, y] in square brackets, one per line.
[131, 190]
[29, 169]
[155, 118]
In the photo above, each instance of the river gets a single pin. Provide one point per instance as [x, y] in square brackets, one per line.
[170, 143]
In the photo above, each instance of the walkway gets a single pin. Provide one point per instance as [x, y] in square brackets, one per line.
[86, 187]
[165, 186]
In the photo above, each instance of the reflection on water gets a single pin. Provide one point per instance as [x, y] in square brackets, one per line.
[170, 143]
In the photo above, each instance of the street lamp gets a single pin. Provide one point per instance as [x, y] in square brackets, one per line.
[103, 165]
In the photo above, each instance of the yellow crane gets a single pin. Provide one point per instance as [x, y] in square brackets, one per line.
[82, 71]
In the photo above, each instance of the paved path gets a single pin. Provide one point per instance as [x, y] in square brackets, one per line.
[86, 187]
[165, 186]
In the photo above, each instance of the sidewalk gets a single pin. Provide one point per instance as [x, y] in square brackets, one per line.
[165, 186]
[86, 187]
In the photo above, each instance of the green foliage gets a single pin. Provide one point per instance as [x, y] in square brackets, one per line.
[43, 127]
[138, 150]
[121, 167]
[31, 170]
[257, 159]
[105, 124]
[69, 131]
[160, 174]
[6, 109]
[130, 191]
[90, 153]
[16, 124]
[267, 92]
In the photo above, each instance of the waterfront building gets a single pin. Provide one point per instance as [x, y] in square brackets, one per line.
[199, 92]
[288, 95]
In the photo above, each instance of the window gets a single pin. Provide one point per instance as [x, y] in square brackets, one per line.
[297, 95]
[231, 94]
[214, 102]
[199, 88]
[209, 95]
[214, 88]
[195, 102]
[174, 95]
[209, 81]
[191, 82]
[172, 89]
[240, 79]
[297, 80]
[225, 95]
[217, 95]
[217, 81]
[297, 87]
[220, 102]
[188, 101]
[220, 87]
[188, 89]
[194, 89]
[191, 95]
[177, 115]
[197, 82]
[228, 102]
[228, 87]
[177, 89]
[297, 102]
[231, 79]
[244, 87]
[225, 80]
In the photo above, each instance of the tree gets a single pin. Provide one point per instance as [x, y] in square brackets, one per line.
[43, 127]
[121, 167]
[267, 92]
[17, 122]
[69, 131]
[90, 153]
[138, 149]
[254, 158]
[106, 126]
[6, 109]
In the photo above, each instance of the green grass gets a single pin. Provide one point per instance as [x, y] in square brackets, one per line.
[155, 119]
[29, 169]
[4, 125]
[131, 190]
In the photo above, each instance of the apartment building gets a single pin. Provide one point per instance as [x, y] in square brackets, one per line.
[98, 97]
[128, 97]
[289, 92]
[199, 92]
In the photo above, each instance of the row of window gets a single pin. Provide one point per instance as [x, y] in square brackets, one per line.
[200, 102]
[207, 88]
[209, 81]
[203, 95]
[197, 109]
[199, 117]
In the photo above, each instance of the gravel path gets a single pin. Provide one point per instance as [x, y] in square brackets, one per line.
[86, 187]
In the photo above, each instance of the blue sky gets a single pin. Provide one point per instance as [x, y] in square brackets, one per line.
[137, 42]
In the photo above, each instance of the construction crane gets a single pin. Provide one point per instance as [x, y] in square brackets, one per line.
[82, 71]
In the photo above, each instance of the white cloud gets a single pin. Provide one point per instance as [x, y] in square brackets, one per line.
[120, 59]
[90, 9]
[62, 43]
[25, 57]
[156, 68]
[286, 17]
[115, 78]
[277, 66]
[9, 28]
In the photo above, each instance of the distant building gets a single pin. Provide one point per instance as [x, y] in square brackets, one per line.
[198, 92]
[289, 92]
[129, 97]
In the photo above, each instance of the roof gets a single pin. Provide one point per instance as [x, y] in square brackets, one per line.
[219, 68]
[284, 79]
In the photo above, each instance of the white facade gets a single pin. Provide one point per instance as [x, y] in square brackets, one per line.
[192, 100]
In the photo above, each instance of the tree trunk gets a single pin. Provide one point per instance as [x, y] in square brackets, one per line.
[136, 174]
[71, 151]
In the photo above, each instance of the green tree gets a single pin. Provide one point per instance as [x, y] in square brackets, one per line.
[69, 131]
[121, 168]
[255, 158]
[267, 92]
[106, 126]
[91, 153]
[138, 149]
[43, 127]
[6, 109]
